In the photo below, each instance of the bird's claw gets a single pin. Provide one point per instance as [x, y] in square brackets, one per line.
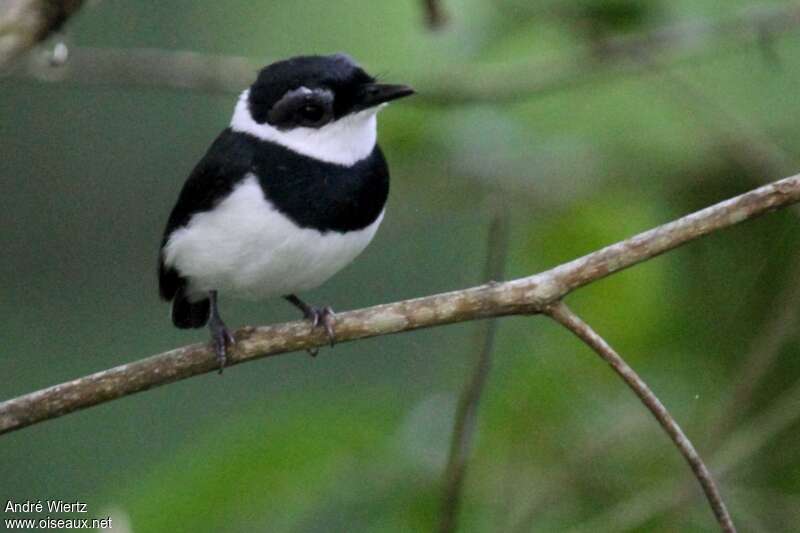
[318, 316]
[325, 317]
[221, 338]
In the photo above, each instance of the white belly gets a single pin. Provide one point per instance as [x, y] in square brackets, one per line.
[246, 248]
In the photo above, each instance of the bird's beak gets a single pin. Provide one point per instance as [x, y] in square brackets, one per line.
[374, 94]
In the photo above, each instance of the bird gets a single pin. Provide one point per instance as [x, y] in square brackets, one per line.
[291, 192]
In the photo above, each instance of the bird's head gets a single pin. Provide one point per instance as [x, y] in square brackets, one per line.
[319, 106]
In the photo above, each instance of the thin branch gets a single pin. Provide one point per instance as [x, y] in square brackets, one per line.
[741, 445]
[522, 296]
[25, 23]
[746, 441]
[147, 67]
[467, 412]
[756, 146]
[564, 316]
[458, 84]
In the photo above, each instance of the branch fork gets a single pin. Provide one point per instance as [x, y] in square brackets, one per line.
[540, 293]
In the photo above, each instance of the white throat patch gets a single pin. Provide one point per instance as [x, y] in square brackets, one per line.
[343, 142]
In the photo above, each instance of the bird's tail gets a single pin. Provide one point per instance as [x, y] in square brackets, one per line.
[187, 314]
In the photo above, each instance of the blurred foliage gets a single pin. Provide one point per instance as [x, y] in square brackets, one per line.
[355, 440]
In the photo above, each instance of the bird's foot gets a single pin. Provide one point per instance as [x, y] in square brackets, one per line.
[325, 317]
[319, 316]
[221, 338]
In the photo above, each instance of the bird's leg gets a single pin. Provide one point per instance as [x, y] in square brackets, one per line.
[318, 316]
[220, 336]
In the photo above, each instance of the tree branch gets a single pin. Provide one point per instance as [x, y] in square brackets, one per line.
[564, 316]
[458, 84]
[24, 23]
[467, 412]
[522, 296]
[750, 438]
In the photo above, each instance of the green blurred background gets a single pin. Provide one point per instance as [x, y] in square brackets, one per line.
[356, 439]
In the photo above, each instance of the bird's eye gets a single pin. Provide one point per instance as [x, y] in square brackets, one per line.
[302, 108]
[312, 113]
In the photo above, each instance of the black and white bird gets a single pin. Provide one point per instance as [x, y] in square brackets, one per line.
[289, 194]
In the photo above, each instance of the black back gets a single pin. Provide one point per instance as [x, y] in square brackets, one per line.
[312, 193]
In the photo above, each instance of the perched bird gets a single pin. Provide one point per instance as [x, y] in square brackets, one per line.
[289, 194]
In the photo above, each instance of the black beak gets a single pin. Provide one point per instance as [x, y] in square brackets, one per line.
[374, 94]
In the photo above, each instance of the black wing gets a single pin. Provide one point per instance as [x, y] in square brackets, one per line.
[225, 164]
